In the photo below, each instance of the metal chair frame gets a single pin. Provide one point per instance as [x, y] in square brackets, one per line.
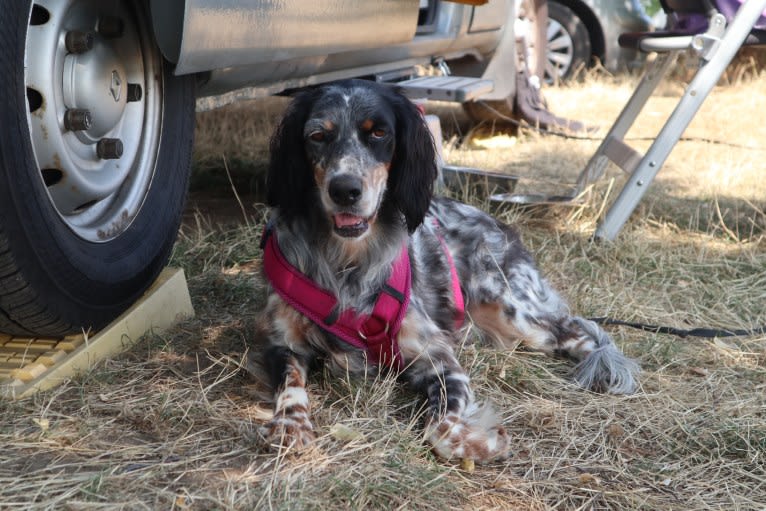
[716, 48]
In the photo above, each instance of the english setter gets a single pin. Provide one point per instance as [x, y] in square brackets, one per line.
[350, 184]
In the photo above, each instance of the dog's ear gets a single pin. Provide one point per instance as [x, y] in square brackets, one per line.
[413, 168]
[290, 180]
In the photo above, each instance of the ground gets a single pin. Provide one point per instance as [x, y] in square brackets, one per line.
[172, 423]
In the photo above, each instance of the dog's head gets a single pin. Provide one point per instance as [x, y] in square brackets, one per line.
[353, 146]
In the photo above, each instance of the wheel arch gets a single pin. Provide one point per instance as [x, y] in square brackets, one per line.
[167, 24]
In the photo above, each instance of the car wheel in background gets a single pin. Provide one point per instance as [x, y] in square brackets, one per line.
[94, 162]
[568, 47]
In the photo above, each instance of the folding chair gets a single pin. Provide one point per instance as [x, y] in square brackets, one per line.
[701, 27]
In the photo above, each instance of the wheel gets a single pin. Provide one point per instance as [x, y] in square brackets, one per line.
[568, 45]
[94, 162]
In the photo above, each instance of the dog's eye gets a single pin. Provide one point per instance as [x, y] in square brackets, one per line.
[317, 136]
[378, 133]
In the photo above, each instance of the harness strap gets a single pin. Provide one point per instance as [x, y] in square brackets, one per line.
[375, 332]
[457, 293]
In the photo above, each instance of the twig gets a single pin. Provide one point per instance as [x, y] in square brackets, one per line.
[234, 189]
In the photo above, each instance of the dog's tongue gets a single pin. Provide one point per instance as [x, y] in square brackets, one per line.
[347, 220]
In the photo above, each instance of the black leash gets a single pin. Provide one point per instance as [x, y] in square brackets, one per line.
[693, 332]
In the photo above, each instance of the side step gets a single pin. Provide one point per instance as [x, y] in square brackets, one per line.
[446, 88]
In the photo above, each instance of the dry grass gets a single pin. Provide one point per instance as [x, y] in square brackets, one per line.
[172, 423]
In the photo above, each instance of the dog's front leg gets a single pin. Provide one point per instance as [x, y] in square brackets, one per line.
[291, 425]
[457, 427]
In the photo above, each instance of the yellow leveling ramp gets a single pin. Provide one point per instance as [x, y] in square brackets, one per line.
[28, 365]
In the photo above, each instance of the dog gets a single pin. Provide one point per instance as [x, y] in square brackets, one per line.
[350, 186]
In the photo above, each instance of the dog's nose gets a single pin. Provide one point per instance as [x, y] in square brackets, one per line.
[345, 190]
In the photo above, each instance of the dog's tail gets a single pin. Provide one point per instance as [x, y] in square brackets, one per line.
[605, 368]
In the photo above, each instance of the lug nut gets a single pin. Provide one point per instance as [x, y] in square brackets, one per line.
[77, 119]
[135, 92]
[109, 148]
[111, 27]
[77, 41]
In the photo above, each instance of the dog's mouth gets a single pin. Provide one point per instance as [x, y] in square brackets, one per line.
[350, 226]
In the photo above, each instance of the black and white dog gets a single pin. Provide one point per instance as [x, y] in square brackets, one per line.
[350, 185]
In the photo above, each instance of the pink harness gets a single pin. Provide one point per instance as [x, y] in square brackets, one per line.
[376, 332]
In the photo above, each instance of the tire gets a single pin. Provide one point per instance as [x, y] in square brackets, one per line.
[568, 47]
[86, 226]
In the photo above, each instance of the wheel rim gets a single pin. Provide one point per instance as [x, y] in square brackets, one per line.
[94, 90]
[559, 51]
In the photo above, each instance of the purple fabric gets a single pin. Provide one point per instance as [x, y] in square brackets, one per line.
[693, 23]
[729, 8]
[687, 23]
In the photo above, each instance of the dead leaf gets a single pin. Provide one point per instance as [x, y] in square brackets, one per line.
[699, 371]
[344, 434]
[614, 430]
[43, 423]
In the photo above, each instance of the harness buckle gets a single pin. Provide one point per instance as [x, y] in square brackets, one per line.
[376, 338]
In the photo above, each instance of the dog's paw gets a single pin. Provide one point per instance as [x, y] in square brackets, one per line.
[288, 431]
[476, 435]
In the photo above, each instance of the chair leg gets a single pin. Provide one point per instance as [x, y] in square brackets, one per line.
[653, 76]
[699, 88]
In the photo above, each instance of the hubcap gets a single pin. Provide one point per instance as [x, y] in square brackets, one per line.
[559, 51]
[93, 81]
[94, 91]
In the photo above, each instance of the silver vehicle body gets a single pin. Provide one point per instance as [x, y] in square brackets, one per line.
[248, 49]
